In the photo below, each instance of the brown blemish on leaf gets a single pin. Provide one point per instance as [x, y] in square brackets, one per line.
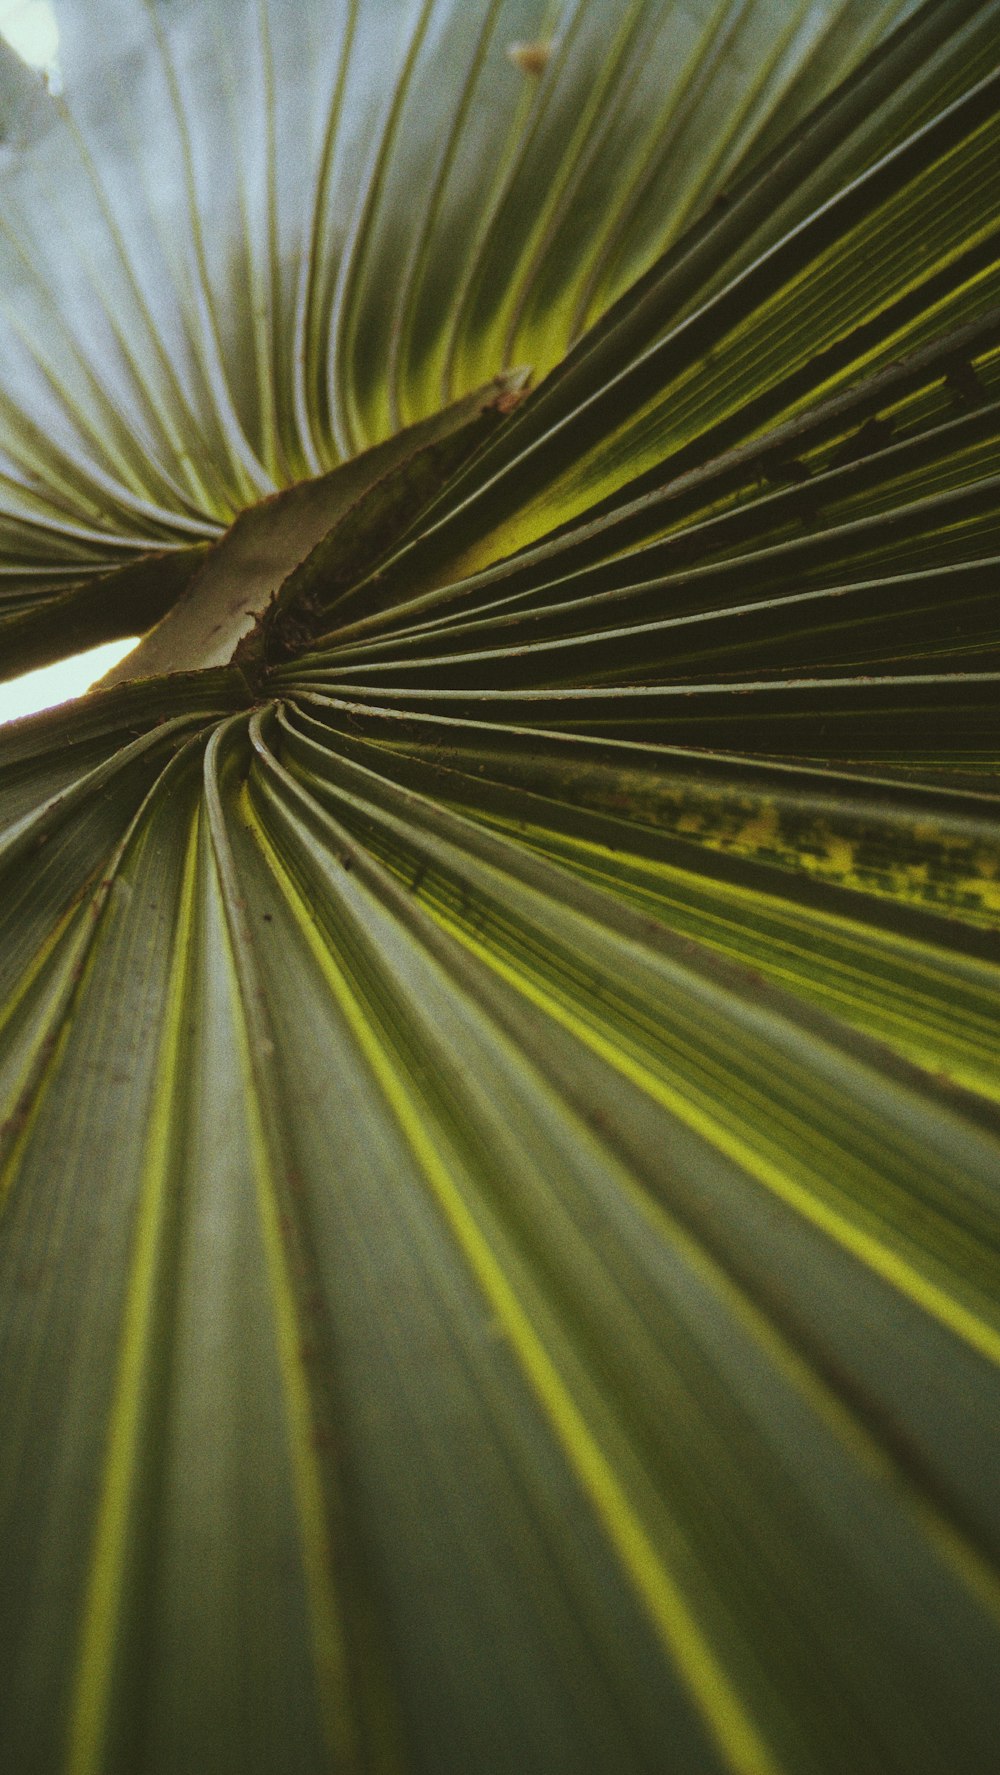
[531, 58]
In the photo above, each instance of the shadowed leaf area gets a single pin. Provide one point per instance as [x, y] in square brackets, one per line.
[500, 1158]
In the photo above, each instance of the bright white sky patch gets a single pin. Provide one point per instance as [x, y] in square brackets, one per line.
[57, 684]
[30, 27]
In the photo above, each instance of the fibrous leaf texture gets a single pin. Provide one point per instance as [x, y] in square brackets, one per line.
[499, 997]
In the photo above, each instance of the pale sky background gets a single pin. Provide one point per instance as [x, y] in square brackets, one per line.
[56, 684]
[30, 28]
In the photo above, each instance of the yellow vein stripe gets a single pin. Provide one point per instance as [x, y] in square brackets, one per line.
[41, 1067]
[963, 1045]
[888, 1264]
[38, 963]
[972, 1568]
[329, 1649]
[722, 1709]
[39, 1085]
[102, 1614]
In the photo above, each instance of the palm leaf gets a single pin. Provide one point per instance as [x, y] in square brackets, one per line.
[500, 993]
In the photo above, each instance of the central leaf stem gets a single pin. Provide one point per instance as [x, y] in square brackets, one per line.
[274, 579]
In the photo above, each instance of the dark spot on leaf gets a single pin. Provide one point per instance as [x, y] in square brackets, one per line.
[964, 386]
[782, 470]
[874, 435]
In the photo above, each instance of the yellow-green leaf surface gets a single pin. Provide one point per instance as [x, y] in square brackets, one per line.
[500, 997]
